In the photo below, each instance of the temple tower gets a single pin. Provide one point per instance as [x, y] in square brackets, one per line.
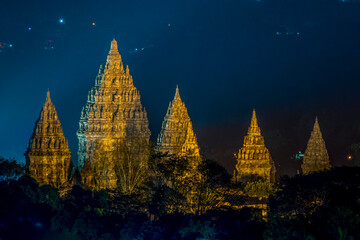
[253, 159]
[48, 157]
[113, 113]
[177, 135]
[316, 157]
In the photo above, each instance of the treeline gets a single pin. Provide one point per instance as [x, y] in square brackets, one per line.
[171, 205]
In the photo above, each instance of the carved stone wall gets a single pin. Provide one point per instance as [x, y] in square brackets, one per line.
[113, 111]
[48, 157]
[177, 135]
[316, 157]
[253, 159]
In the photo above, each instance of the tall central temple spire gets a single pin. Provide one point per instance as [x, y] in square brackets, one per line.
[253, 159]
[177, 135]
[113, 112]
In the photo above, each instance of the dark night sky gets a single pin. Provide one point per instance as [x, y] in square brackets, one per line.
[289, 59]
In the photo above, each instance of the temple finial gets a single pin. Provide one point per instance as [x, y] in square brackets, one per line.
[254, 127]
[113, 60]
[316, 125]
[48, 96]
[254, 119]
[177, 94]
[114, 45]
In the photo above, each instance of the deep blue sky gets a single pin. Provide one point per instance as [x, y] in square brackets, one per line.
[289, 59]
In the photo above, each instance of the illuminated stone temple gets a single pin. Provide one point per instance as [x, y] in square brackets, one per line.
[177, 135]
[316, 157]
[48, 157]
[112, 115]
[253, 159]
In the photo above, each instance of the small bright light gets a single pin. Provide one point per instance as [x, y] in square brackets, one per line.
[93, 24]
[10, 45]
[29, 28]
[61, 20]
[349, 157]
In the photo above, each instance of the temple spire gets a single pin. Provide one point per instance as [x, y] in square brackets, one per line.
[113, 61]
[48, 99]
[177, 135]
[114, 46]
[48, 156]
[254, 159]
[254, 127]
[113, 114]
[177, 94]
[316, 128]
[114, 51]
[316, 157]
[316, 125]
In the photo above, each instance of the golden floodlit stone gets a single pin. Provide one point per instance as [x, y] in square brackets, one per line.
[113, 113]
[316, 157]
[48, 157]
[253, 159]
[177, 136]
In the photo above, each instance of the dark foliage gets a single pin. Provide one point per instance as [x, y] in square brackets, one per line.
[322, 205]
[317, 206]
[10, 169]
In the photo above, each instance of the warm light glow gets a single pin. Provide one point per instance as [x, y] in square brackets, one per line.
[177, 122]
[93, 24]
[349, 157]
[254, 149]
[48, 152]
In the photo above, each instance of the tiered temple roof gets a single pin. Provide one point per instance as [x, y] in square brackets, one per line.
[114, 122]
[253, 159]
[113, 112]
[316, 157]
[177, 135]
[48, 157]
